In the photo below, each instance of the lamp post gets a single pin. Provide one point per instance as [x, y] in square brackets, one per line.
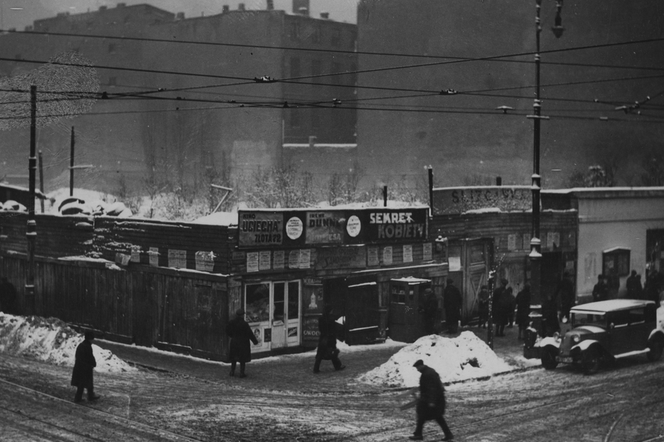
[535, 241]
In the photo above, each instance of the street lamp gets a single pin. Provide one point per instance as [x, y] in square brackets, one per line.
[535, 242]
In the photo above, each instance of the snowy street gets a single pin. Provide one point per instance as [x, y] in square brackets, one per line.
[281, 400]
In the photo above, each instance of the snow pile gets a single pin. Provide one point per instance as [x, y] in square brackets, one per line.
[51, 340]
[455, 359]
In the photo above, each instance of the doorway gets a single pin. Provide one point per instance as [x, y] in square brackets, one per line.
[273, 312]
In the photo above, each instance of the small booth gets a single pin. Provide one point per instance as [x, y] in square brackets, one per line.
[405, 319]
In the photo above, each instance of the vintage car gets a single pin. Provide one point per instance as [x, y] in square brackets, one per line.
[603, 331]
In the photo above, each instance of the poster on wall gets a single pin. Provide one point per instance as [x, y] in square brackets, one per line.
[260, 228]
[324, 227]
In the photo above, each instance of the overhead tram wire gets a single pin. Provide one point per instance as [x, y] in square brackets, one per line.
[455, 59]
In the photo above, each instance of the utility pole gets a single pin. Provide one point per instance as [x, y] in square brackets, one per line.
[31, 229]
[71, 164]
[41, 180]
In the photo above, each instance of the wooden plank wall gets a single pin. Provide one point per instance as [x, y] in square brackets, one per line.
[165, 308]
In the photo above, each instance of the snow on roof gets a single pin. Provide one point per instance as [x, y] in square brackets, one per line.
[610, 305]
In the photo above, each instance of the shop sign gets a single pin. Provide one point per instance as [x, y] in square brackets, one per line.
[454, 200]
[299, 229]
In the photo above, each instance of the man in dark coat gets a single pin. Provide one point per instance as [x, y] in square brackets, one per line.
[431, 403]
[601, 289]
[523, 310]
[634, 288]
[82, 377]
[566, 295]
[7, 296]
[501, 303]
[327, 343]
[429, 311]
[452, 302]
[240, 333]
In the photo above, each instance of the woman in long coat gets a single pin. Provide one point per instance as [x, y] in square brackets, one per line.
[82, 377]
[240, 350]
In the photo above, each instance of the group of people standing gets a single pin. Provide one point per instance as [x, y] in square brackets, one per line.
[507, 309]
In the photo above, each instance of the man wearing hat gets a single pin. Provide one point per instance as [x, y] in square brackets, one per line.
[82, 375]
[240, 333]
[431, 403]
[452, 302]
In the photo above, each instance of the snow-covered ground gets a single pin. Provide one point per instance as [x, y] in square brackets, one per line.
[51, 340]
[455, 359]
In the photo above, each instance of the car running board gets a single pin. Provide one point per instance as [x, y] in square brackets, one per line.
[632, 353]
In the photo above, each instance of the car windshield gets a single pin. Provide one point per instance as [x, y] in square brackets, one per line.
[587, 319]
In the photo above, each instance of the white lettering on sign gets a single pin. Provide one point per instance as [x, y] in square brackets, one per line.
[391, 218]
[399, 231]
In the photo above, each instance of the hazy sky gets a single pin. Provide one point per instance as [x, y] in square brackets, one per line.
[21, 13]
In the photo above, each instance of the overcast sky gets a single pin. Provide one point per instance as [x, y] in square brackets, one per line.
[21, 13]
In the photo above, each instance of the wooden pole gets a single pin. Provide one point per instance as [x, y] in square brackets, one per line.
[71, 164]
[31, 229]
[41, 180]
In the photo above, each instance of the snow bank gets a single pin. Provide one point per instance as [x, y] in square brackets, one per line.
[51, 340]
[455, 359]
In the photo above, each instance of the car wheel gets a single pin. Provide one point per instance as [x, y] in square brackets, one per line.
[655, 352]
[590, 359]
[549, 358]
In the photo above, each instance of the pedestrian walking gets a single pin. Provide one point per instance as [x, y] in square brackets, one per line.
[240, 350]
[523, 310]
[483, 298]
[327, 343]
[82, 375]
[7, 296]
[452, 302]
[601, 289]
[429, 311]
[565, 293]
[431, 403]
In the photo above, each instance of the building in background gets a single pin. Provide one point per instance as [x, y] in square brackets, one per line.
[459, 100]
[193, 97]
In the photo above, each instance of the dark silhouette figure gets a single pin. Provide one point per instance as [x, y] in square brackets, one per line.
[452, 302]
[327, 343]
[7, 297]
[523, 310]
[634, 288]
[431, 403]
[501, 303]
[565, 293]
[483, 298]
[82, 375]
[601, 289]
[429, 310]
[240, 350]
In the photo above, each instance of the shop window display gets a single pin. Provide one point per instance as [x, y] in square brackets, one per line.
[258, 302]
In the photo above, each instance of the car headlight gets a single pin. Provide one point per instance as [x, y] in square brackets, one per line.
[576, 338]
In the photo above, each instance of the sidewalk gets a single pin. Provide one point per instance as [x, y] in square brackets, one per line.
[294, 371]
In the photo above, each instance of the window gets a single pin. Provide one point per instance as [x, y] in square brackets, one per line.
[316, 34]
[616, 262]
[294, 31]
[398, 294]
[336, 37]
[294, 67]
[258, 302]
